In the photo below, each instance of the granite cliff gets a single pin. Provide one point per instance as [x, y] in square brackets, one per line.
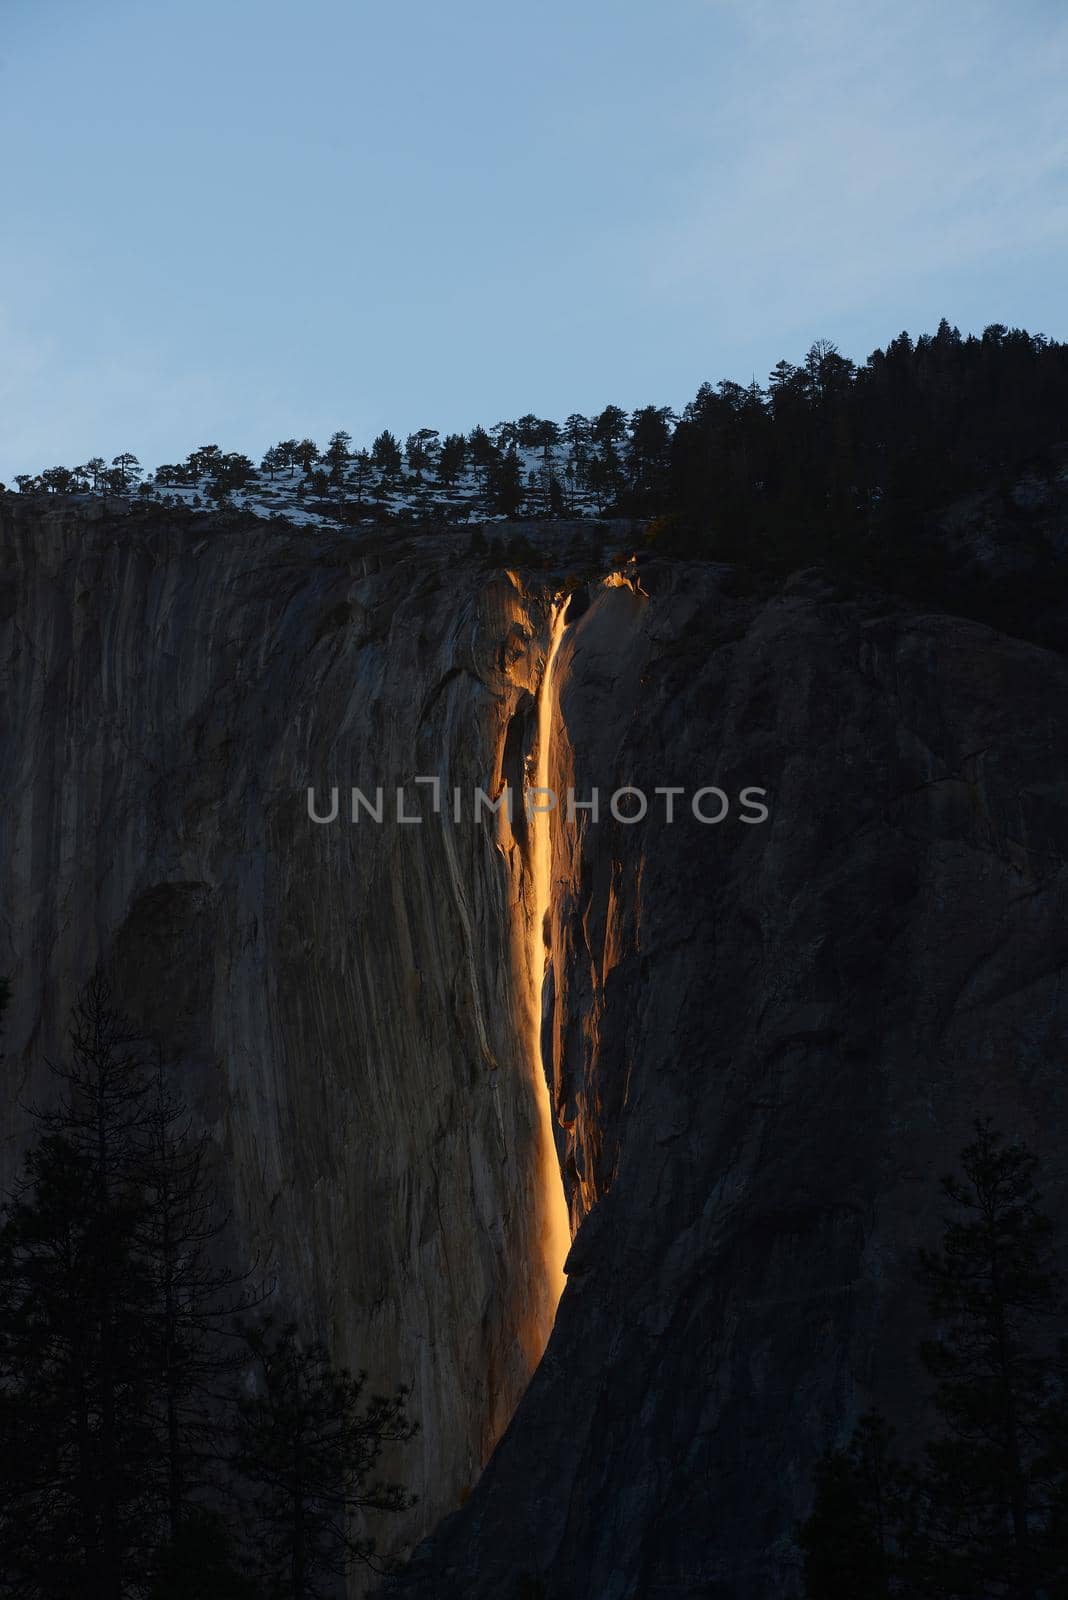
[348, 1004]
[763, 1042]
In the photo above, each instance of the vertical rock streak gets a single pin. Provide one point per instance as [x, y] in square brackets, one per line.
[555, 1230]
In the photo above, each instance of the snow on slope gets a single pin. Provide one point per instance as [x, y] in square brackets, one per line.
[289, 493]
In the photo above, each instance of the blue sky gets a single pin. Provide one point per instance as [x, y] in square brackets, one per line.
[239, 220]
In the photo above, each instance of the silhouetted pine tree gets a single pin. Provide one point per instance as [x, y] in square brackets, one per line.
[77, 1514]
[995, 1476]
[386, 455]
[506, 488]
[483, 453]
[338, 453]
[985, 1515]
[850, 1541]
[361, 473]
[202, 1563]
[451, 458]
[306, 453]
[194, 1297]
[113, 1304]
[306, 1445]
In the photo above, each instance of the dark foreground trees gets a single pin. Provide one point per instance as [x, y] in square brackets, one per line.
[306, 1444]
[982, 1514]
[139, 1423]
[74, 1353]
[849, 1540]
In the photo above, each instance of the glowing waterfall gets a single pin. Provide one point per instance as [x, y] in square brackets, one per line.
[555, 1221]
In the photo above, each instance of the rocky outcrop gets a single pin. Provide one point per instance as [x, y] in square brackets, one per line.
[765, 1041]
[345, 1004]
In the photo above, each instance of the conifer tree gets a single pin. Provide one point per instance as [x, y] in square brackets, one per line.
[128, 467]
[576, 434]
[113, 1305]
[649, 445]
[306, 453]
[202, 1562]
[77, 1513]
[421, 449]
[307, 1443]
[192, 1302]
[483, 454]
[386, 455]
[505, 485]
[849, 1542]
[337, 453]
[203, 461]
[997, 1470]
[361, 473]
[983, 1516]
[451, 458]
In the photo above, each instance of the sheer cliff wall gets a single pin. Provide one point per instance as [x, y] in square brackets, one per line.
[764, 1043]
[767, 1044]
[345, 1004]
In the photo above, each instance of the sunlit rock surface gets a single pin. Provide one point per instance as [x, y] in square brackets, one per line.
[765, 1042]
[345, 1004]
[768, 1043]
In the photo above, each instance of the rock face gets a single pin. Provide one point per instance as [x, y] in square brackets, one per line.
[765, 1041]
[345, 1004]
[768, 1041]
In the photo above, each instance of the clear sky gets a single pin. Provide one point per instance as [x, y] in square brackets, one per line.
[231, 221]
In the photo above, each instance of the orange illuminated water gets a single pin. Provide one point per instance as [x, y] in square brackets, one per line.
[555, 1225]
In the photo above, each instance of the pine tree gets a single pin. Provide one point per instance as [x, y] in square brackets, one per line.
[483, 453]
[361, 473]
[127, 466]
[546, 436]
[202, 1563]
[386, 455]
[527, 429]
[985, 1515]
[113, 1307]
[506, 435]
[505, 486]
[998, 1469]
[202, 461]
[421, 449]
[77, 1514]
[605, 474]
[306, 1446]
[849, 1540]
[649, 445]
[338, 453]
[192, 1302]
[451, 458]
[228, 472]
[609, 427]
[577, 437]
